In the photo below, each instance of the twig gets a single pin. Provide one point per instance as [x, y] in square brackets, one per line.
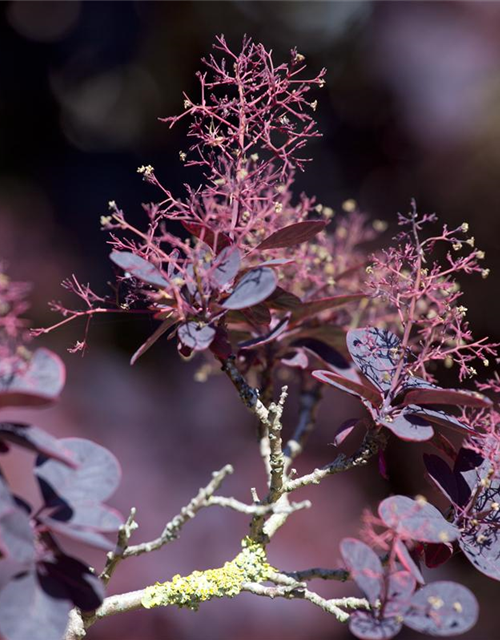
[317, 572]
[257, 509]
[332, 606]
[309, 400]
[276, 459]
[114, 557]
[248, 394]
[172, 529]
[372, 444]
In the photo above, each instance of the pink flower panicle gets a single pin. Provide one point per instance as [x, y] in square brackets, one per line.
[248, 128]
[423, 295]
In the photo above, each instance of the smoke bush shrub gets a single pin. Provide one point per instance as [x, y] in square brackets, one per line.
[266, 284]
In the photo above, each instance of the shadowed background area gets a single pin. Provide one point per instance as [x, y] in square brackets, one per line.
[411, 108]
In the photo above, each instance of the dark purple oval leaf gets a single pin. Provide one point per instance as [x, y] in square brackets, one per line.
[311, 307]
[409, 426]
[37, 382]
[84, 588]
[196, 337]
[377, 353]
[469, 469]
[98, 474]
[139, 268]
[442, 476]
[437, 554]
[28, 611]
[292, 234]
[37, 440]
[364, 567]
[345, 430]
[447, 396]
[440, 418]
[255, 286]
[282, 300]
[442, 609]
[349, 386]
[365, 626]
[404, 556]
[226, 266]
[275, 332]
[416, 520]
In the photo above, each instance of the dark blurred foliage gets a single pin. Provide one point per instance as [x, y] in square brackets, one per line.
[411, 109]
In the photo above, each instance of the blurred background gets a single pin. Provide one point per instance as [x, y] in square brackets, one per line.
[411, 109]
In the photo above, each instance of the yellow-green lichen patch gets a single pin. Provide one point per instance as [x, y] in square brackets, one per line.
[250, 565]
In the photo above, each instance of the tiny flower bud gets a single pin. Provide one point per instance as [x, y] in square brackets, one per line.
[380, 225]
[349, 205]
[485, 273]
[465, 227]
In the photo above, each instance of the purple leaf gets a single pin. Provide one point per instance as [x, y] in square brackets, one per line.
[276, 262]
[364, 567]
[89, 537]
[275, 332]
[98, 474]
[437, 554]
[416, 520]
[377, 353]
[282, 300]
[35, 383]
[226, 266]
[292, 234]
[481, 545]
[165, 326]
[312, 307]
[83, 588]
[447, 396]
[216, 240]
[400, 588]
[468, 470]
[441, 418]
[295, 359]
[332, 335]
[409, 426]
[345, 430]
[442, 609]
[17, 540]
[37, 440]
[255, 286]
[139, 268]
[349, 386]
[442, 476]
[364, 625]
[329, 355]
[34, 608]
[197, 337]
[407, 561]
[258, 315]
[88, 515]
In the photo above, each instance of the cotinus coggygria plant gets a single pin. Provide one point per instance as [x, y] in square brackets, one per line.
[266, 286]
